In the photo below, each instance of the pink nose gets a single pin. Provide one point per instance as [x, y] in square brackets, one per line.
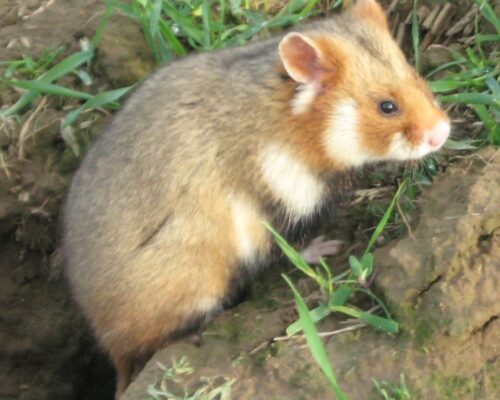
[438, 134]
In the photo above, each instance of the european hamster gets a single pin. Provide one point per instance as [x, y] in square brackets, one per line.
[163, 220]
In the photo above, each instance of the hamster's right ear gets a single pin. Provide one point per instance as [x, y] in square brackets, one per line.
[301, 58]
[371, 10]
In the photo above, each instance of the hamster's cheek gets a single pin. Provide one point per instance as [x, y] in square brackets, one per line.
[402, 149]
[343, 140]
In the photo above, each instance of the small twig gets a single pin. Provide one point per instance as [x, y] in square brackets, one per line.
[259, 347]
[23, 135]
[40, 9]
[462, 216]
[392, 6]
[403, 217]
[322, 334]
[5, 165]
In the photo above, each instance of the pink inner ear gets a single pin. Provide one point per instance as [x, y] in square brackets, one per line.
[300, 58]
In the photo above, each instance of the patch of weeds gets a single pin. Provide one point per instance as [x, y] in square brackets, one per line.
[174, 28]
[30, 67]
[392, 391]
[455, 387]
[45, 73]
[172, 385]
[266, 353]
[337, 291]
[473, 78]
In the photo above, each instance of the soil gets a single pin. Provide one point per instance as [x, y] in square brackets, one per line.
[48, 352]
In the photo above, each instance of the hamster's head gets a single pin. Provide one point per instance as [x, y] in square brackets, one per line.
[353, 80]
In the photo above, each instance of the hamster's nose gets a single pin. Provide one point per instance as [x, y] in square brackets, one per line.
[437, 135]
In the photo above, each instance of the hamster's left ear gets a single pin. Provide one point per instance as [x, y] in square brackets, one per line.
[372, 11]
[301, 58]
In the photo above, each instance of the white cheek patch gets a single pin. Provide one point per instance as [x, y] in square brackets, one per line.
[401, 149]
[343, 139]
[303, 99]
[249, 231]
[291, 182]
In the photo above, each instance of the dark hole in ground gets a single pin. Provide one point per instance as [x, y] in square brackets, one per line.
[47, 350]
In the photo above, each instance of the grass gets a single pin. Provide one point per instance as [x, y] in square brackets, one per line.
[391, 391]
[472, 79]
[174, 28]
[338, 290]
[44, 72]
[172, 385]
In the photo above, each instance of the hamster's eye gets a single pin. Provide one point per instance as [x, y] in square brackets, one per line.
[388, 108]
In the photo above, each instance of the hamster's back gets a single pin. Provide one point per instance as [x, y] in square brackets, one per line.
[139, 221]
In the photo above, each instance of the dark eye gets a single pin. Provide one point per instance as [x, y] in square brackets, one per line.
[388, 107]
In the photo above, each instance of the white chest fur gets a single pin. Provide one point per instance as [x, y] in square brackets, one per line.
[291, 182]
[249, 234]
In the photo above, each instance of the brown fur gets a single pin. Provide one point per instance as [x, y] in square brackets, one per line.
[150, 235]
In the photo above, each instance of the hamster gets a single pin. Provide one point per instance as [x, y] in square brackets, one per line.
[163, 220]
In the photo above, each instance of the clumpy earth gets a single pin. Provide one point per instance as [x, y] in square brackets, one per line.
[441, 282]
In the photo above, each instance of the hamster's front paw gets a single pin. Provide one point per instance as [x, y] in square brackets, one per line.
[319, 248]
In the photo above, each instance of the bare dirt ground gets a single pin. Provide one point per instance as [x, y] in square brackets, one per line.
[445, 295]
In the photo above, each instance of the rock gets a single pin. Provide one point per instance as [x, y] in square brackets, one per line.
[124, 56]
[447, 277]
[435, 55]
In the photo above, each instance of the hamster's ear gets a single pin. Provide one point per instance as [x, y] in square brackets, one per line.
[371, 10]
[301, 58]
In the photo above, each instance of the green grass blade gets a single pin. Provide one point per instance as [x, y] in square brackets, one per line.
[154, 18]
[487, 38]
[206, 17]
[294, 256]
[494, 86]
[25, 100]
[460, 145]
[309, 7]
[356, 266]
[368, 292]
[96, 39]
[489, 13]
[187, 24]
[314, 342]
[383, 222]
[447, 85]
[415, 34]
[66, 66]
[172, 39]
[385, 324]
[340, 296]
[316, 315]
[470, 98]
[125, 9]
[49, 88]
[102, 99]
[484, 115]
